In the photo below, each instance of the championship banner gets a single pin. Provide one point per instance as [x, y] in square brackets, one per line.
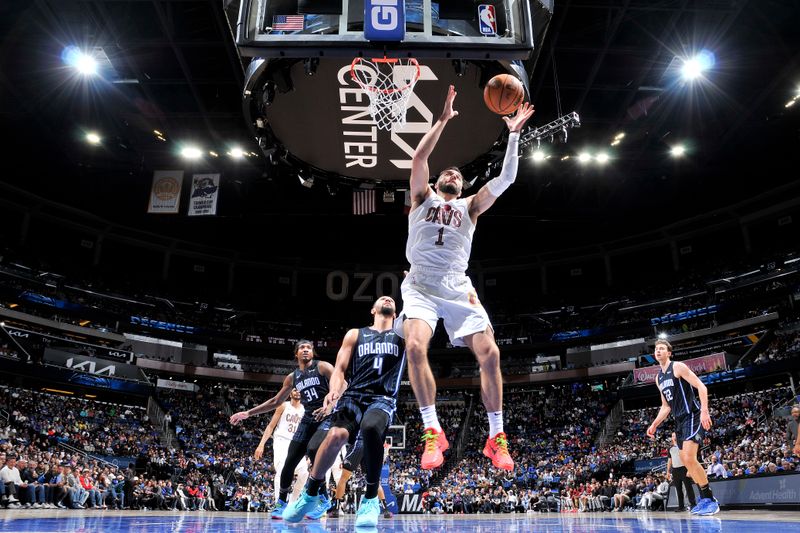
[205, 191]
[165, 194]
[699, 365]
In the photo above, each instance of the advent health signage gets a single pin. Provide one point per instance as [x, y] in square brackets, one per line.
[699, 365]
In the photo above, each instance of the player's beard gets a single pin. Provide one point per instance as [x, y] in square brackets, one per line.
[449, 188]
[387, 310]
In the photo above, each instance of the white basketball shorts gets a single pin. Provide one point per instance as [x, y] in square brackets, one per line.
[429, 295]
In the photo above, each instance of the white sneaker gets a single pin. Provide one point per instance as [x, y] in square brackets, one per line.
[37, 505]
[12, 499]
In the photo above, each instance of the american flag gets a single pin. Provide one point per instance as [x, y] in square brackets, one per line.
[363, 202]
[288, 22]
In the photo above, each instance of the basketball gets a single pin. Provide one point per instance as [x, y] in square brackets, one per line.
[503, 94]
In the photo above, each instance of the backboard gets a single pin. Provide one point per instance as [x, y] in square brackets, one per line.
[304, 107]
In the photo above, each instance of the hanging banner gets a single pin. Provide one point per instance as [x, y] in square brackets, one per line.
[165, 195]
[699, 365]
[205, 190]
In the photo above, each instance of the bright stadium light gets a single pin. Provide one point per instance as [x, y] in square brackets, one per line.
[601, 158]
[236, 153]
[191, 152]
[538, 156]
[93, 138]
[694, 67]
[585, 157]
[662, 336]
[81, 61]
[678, 150]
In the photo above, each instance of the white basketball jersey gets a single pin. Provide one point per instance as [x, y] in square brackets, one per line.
[290, 419]
[440, 234]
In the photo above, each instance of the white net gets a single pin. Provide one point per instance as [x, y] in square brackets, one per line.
[389, 83]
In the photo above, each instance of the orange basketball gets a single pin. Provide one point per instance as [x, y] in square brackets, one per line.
[503, 94]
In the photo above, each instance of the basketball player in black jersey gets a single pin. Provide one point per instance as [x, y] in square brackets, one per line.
[676, 383]
[311, 380]
[373, 358]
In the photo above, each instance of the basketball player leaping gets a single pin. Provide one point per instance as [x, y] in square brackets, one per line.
[677, 382]
[440, 229]
[281, 429]
[373, 357]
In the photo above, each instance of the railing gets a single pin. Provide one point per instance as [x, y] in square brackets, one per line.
[86, 455]
[159, 420]
[5, 416]
[462, 435]
[610, 425]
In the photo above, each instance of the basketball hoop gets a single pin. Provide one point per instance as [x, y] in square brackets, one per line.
[389, 83]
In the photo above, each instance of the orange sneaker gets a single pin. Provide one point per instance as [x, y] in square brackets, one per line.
[435, 444]
[496, 449]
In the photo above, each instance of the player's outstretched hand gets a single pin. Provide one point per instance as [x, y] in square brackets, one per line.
[705, 420]
[258, 453]
[518, 120]
[448, 112]
[651, 431]
[238, 417]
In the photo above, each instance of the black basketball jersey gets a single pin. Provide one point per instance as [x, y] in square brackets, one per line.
[312, 386]
[678, 393]
[376, 364]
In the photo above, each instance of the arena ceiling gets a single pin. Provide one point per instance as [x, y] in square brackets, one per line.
[172, 67]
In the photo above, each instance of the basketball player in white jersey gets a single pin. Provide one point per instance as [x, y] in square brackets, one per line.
[440, 229]
[282, 428]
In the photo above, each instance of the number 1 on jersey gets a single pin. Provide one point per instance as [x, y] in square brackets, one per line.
[440, 240]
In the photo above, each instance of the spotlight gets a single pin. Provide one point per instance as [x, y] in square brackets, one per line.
[601, 158]
[310, 65]
[619, 136]
[236, 153]
[585, 157]
[790, 103]
[538, 156]
[212, 153]
[84, 63]
[191, 152]
[678, 150]
[615, 142]
[694, 67]
[93, 138]
[662, 336]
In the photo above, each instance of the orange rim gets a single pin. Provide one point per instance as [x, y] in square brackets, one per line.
[392, 60]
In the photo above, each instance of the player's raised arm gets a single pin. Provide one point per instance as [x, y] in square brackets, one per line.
[267, 406]
[420, 173]
[685, 373]
[486, 196]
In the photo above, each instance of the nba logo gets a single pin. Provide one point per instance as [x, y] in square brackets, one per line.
[487, 20]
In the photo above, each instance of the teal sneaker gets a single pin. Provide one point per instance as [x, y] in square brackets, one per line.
[322, 508]
[277, 511]
[302, 506]
[368, 512]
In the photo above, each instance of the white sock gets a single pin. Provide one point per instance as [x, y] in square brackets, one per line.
[495, 423]
[429, 418]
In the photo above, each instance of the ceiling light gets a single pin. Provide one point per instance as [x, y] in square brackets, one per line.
[790, 103]
[619, 136]
[565, 158]
[585, 157]
[191, 152]
[93, 138]
[236, 153]
[662, 336]
[158, 133]
[678, 150]
[694, 67]
[538, 156]
[212, 153]
[601, 158]
[615, 142]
